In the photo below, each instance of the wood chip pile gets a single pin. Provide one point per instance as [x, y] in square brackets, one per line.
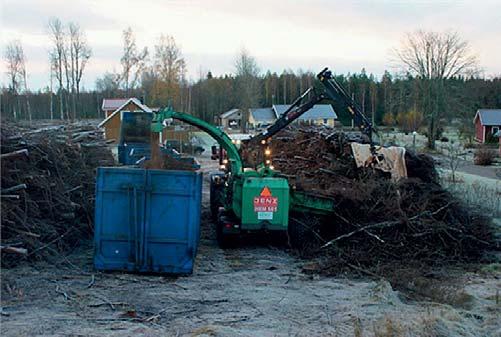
[47, 188]
[377, 220]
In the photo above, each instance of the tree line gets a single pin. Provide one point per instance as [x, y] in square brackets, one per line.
[438, 82]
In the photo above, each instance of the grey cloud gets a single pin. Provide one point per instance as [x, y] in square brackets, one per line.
[32, 16]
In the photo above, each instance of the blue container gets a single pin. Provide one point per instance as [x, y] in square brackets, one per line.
[147, 220]
[130, 153]
[135, 137]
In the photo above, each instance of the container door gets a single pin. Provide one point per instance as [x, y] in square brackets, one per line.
[171, 214]
[119, 218]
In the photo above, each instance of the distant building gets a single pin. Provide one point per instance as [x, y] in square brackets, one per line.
[113, 120]
[261, 117]
[231, 119]
[111, 104]
[487, 124]
[319, 114]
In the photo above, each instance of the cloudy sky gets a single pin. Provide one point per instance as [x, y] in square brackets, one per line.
[308, 34]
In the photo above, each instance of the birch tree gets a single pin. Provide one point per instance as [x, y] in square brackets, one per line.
[13, 60]
[133, 61]
[80, 53]
[57, 56]
[16, 73]
[169, 68]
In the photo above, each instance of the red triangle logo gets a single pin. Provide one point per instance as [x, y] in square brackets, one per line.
[266, 192]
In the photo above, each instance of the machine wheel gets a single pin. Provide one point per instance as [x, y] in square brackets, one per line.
[216, 194]
[224, 240]
[300, 231]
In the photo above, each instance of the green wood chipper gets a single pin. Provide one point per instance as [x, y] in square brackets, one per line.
[244, 199]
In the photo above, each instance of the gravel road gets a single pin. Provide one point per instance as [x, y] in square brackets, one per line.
[256, 290]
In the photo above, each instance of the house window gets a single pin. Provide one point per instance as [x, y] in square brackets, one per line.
[325, 120]
[495, 129]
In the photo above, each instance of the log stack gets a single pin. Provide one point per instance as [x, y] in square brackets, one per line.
[47, 188]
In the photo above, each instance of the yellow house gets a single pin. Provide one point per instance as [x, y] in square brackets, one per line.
[319, 114]
[113, 120]
[261, 117]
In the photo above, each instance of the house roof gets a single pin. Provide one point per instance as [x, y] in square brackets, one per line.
[228, 113]
[318, 111]
[489, 116]
[263, 114]
[112, 103]
[134, 100]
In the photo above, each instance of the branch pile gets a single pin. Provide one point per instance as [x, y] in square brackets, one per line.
[47, 188]
[376, 220]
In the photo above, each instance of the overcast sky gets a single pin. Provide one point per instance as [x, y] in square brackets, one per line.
[344, 35]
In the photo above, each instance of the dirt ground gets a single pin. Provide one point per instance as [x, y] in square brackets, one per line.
[255, 290]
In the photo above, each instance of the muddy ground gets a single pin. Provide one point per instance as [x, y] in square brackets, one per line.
[260, 289]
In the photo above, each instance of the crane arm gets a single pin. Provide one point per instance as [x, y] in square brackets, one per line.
[221, 137]
[333, 91]
[295, 110]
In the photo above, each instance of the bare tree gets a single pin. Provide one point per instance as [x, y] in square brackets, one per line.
[169, 62]
[109, 83]
[14, 61]
[16, 72]
[80, 54]
[58, 56]
[435, 57]
[454, 156]
[51, 101]
[133, 61]
[169, 68]
[25, 82]
[67, 63]
[247, 72]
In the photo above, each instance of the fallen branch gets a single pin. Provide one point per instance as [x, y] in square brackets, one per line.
[14, 250]
[14, 154]
[14, 188]
[304, 159]
[362, 229]
[59, 291]
[10, 196]
[111, 304]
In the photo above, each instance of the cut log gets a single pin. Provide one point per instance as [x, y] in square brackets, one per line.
[81, 135]
[10, 196]
[305, 159]
[14, 188]
[14, 250]
[74, 189]
[14, 154]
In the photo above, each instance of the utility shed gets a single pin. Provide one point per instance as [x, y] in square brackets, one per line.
[231, 119]
[113, 121]
[487, 124]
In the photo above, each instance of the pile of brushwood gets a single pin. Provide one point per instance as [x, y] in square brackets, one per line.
[377, 221]
[47, 188]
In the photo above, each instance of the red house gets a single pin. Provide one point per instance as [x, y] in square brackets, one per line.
[487, 124]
